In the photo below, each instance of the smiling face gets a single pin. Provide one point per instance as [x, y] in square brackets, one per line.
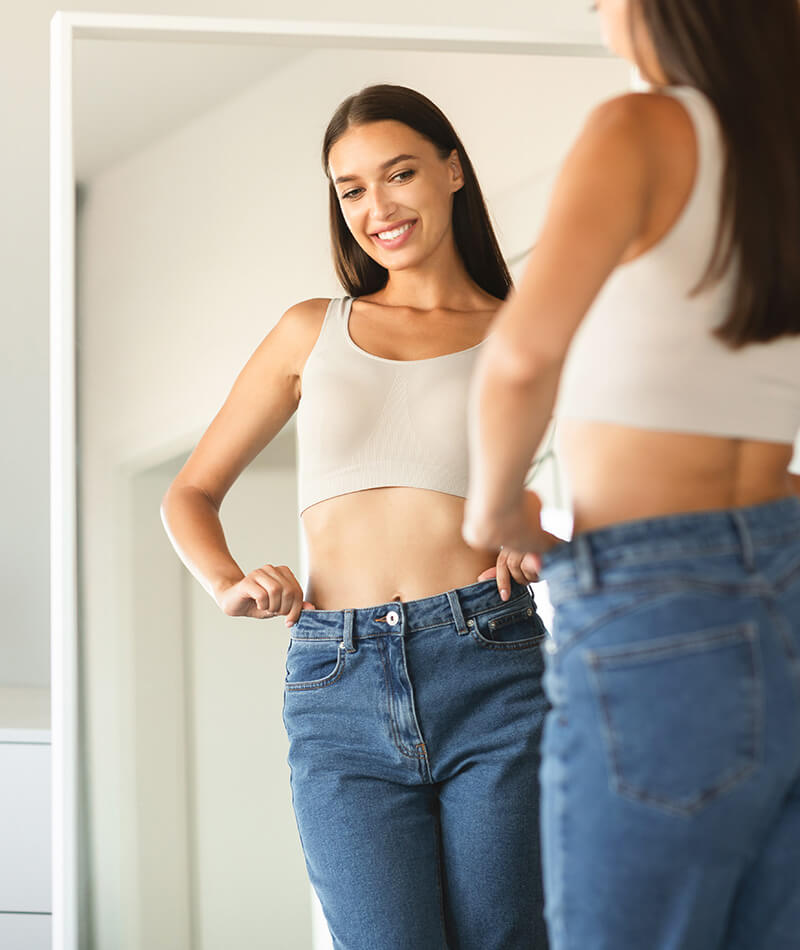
[395, 192]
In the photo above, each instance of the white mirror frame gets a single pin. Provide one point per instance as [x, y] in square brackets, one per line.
[66, 27]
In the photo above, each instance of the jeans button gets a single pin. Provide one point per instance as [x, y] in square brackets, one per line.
[392, 617]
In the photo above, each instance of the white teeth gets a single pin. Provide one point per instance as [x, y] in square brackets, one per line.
[391, 235]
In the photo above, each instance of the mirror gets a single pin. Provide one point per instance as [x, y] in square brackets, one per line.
[201, 216]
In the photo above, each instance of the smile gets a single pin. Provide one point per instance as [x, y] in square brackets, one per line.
[391, 235]
[394, 237]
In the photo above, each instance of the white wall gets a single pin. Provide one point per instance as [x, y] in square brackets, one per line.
[189, 252]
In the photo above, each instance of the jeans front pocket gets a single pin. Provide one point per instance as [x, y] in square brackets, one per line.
[681, 715]
[313, 664]
[512, 626]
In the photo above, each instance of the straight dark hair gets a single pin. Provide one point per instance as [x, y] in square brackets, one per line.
[744, 55]
[474, 236]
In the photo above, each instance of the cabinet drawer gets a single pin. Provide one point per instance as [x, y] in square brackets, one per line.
[24, 829]
[25, 931]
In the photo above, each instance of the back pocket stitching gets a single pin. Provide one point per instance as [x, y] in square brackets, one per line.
[745, 633]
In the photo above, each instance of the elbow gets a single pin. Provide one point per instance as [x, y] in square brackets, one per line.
[523, 366]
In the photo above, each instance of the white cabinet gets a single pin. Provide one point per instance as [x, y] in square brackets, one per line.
[25, 931]
[25, 891]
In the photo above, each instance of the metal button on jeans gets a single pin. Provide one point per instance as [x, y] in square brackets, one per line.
[392, 618]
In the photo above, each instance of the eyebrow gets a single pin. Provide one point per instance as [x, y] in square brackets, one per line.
[383, 167]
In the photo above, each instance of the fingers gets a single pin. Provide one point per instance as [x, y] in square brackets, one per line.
[530, 566]
[503, 575]
[488, 574]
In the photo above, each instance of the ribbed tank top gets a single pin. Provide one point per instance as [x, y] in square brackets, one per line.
[644, 355]
[368, 422]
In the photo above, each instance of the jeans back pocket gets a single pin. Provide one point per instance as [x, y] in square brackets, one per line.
[681, 715]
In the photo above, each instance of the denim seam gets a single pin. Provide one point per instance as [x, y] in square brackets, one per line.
[420, 747]
[390, 708]
[785, 580]
[506, 645]
[724, 782]
[598, 622]
[444, 623]
[331, 677]
[757, 586]
[440, 886]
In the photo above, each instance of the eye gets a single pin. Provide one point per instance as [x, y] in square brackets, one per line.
[348, 195]
[403, 175]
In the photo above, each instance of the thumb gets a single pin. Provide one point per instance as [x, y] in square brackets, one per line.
[307, 605]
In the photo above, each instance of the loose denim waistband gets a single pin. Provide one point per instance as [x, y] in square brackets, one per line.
[403, 617]
[700, 533]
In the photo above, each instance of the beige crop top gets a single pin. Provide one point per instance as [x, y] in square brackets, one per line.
[644, 355]
[366, 422]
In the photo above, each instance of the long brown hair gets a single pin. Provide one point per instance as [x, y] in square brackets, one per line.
[474, 236]
[744, 55]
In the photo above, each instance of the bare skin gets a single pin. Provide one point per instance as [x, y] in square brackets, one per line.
[621, 190]
[377, 545]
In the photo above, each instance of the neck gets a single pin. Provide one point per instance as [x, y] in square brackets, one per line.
[440, 282]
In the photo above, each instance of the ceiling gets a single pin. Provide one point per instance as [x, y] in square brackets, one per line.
[129, 94]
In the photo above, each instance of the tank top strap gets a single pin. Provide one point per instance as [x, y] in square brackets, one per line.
[705, 122]
[333, 332]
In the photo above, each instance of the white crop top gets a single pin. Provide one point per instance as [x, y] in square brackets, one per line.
[644, 354]
[367, 422]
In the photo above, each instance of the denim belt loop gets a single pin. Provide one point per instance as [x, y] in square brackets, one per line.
[347, 639]
[585, 569]
[458, 615]
[745, 541]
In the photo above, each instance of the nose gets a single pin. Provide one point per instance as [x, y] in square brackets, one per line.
[381, 205]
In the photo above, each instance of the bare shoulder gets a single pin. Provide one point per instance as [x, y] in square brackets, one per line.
[645, 120]
[293, 336]
[303, 321]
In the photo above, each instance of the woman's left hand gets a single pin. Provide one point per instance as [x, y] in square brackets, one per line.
[523, 566]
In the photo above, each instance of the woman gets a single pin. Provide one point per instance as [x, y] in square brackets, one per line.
[413, 699]
[660, 316]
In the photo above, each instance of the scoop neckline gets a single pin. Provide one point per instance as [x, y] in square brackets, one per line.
[385, 359]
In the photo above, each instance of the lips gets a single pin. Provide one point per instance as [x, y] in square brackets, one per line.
[395, 236]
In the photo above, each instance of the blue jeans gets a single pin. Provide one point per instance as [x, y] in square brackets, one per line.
[671, 757]
[414, 733]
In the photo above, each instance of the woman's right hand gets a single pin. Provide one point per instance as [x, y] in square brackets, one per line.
[264, 593]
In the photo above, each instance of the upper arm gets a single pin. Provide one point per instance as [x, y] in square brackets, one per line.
[597, 209]
[263, 398]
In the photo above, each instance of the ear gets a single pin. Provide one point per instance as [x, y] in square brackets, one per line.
[456, 171]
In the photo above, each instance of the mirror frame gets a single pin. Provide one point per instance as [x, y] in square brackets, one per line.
[66, 27]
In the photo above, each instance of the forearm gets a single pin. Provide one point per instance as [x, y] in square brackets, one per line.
[510, 412]
[193, 526]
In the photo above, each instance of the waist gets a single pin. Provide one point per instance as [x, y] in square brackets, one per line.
[645, 548]
[619, 473]
[393, 542]
[400, 617]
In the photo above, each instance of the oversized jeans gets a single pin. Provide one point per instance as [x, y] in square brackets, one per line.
[671, 756]
[414, 735]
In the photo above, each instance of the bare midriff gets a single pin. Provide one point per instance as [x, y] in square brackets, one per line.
[618, 473]
[382, 544]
